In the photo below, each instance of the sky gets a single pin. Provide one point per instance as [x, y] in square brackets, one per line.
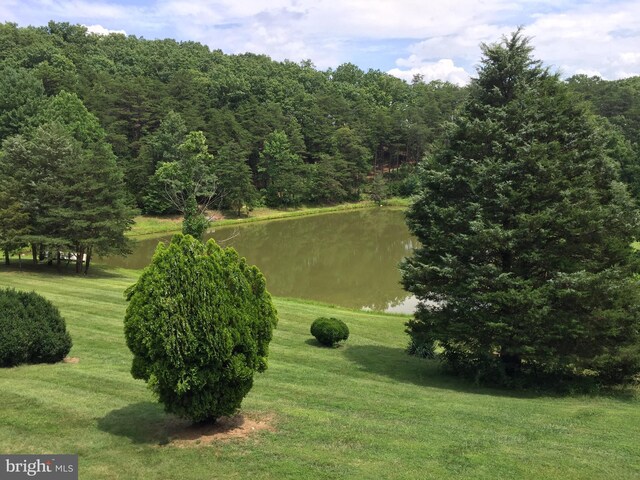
[437, 39]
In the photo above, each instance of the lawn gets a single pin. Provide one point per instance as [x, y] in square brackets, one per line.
[365, 410]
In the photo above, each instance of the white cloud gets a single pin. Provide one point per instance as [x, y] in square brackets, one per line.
[589, 72]
[571, 35]
[100, 30]
[630, 58]
[602, 37]
[443, 69]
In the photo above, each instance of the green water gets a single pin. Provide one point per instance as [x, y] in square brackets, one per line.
[348, 259]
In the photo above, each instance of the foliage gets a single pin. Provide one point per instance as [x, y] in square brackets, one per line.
[379, 191]
[21, 100]
[130, 84]
[421, 348]
[150, 93]
[282, 170]
[195, 223]
[14, 219]
[199, 323]
[349, 146]
[525, 270]
[73, 194]
[329, 331]
[403, 182]
[31, 330]
[235, 181]
[159, 147]
[68, 110]
[191, 176]
[327, 180]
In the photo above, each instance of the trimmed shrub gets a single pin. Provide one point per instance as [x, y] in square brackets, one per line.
[199, 323]
[31, 329]
[329, 331]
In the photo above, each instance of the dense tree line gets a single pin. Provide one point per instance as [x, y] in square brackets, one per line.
[337, 125]
[280, 133]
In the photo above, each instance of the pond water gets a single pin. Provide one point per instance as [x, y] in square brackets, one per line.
[348, 259]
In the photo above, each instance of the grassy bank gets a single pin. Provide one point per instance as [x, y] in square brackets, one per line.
[152, 225]
[365, 410]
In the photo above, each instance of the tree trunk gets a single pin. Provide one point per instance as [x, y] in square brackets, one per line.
[7, 261]
[86, 264]
[511, 363]
[79, 255]
[34, 253]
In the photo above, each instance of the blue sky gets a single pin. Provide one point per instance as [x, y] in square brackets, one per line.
[439, 40]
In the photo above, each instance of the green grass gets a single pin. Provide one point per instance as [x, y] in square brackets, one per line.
[146, 226]
[364, 410]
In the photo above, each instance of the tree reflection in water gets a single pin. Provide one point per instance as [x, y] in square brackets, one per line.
[348, 258]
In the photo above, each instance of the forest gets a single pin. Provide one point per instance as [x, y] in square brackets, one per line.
[255, 131]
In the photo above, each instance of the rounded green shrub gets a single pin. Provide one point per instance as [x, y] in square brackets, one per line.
[199, 323]
[31, 329]
[329, 331]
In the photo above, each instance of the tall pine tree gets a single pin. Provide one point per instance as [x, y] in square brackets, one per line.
[525, 267]
[235, 179]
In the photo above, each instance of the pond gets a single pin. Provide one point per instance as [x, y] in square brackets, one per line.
[348, 259]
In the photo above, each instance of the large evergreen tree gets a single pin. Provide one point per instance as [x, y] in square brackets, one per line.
[73, 198]
[235, 178]
[525, 267]
[282, 170]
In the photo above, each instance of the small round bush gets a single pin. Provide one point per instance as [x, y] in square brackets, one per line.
[31, 329]
[329, 331]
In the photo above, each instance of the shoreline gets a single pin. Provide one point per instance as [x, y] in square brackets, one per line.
[154, 226]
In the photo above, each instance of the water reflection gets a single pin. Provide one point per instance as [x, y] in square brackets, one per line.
[347, 259]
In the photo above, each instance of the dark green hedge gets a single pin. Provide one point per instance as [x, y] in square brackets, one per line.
[31, 330]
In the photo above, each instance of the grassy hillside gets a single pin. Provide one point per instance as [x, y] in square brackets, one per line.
[365, 410]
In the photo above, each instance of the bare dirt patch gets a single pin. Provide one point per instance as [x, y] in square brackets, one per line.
[226, 428]
[71, 360]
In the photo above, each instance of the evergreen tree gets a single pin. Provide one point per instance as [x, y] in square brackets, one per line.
[199, 323]
[235, 181]
[90, 207]
[74, 197]
[158, 148]
[283, 172]
[21, 100]
[525, 266]
[14, 219]
[357, 159]
[327, 177]
[379, 191]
